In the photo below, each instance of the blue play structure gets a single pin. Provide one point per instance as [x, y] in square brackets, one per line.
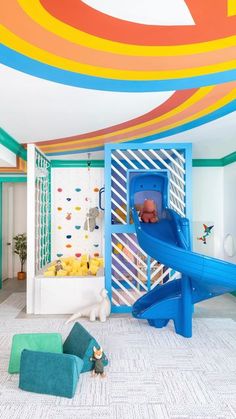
[168, 241]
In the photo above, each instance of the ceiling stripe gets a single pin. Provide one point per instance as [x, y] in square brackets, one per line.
[83, 17]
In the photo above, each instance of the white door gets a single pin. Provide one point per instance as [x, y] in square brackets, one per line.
[7, 231]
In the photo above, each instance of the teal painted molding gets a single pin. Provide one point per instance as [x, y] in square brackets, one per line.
[0, 235]
[7, 141]
[231, 158]
[207, 163]
[224, 161]
[13, 179]
[77, 163]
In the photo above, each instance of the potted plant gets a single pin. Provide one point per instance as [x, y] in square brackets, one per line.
[21, 250]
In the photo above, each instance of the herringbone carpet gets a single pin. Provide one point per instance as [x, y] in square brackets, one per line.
[152, 374]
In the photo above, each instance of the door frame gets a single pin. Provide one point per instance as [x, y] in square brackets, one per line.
[6, 179]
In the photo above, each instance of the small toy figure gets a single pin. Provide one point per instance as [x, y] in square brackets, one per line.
[148, 212]
[98, 358]
[58, 266]
[90, 223]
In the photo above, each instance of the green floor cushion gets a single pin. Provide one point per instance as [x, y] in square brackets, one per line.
[80, 343]
[47, 342]
[49, 373]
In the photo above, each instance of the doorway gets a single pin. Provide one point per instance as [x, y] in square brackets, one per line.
[12, 222]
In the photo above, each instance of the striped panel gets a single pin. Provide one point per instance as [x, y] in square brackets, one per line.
[133, 273]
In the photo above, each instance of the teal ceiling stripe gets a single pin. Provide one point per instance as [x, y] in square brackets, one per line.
[11, 144]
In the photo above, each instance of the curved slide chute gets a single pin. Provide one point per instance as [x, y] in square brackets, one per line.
[168, 242]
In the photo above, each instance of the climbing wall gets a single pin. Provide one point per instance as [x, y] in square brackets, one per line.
[73, 192]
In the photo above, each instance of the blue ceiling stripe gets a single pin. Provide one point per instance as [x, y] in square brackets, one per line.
[35, 68]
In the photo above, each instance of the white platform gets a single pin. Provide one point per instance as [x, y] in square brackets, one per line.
[64, 295]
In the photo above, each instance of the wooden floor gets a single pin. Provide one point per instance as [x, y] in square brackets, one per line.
[220, 307]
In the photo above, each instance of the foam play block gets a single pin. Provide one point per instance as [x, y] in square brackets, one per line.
[49, 373]
[47, 342]
[80, 343]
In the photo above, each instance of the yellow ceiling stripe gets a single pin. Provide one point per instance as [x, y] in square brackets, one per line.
[35, 10]
[231, 7]
[14, 42]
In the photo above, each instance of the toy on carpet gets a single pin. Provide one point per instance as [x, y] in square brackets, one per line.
[207, 232]
[99, 360]
[148, 212]
[90, 222]
[79, 342]
[99, 310]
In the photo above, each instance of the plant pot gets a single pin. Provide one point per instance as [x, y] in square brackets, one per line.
[21, 275]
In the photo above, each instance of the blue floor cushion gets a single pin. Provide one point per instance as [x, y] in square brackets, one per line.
[49, 373]
[80, 343]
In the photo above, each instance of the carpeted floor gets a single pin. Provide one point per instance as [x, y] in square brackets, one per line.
[153, 374]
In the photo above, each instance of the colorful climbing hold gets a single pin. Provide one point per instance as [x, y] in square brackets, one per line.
[68, 217]
[96, 227]
[78, 227]
[86, 199]
[77, 208]
[59, 190]
[96, 190]
[59, 208]
[68, 199]
[77, 189]
[59, 255]
[78, 255]
[68, 236]
[96, 255]
[59, 227]
[86, 236]
[96, 245]
[68, 246]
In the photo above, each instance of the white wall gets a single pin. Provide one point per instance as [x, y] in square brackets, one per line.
[208, 208]
[229, 199]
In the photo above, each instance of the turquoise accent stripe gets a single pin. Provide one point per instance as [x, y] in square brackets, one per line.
[20, 62]
[224, 161]
[13, 179]
[77, 163]
[11, 144]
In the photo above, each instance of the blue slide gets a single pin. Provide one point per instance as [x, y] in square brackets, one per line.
[168, 242]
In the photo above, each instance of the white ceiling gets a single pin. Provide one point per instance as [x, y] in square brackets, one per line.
[149, 12]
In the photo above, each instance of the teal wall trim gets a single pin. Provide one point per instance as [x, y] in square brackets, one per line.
[224, 161]
[7, 141]
[77, 163]
[231, 158]
[13, 179]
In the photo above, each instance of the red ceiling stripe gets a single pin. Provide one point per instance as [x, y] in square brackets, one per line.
[211, 17]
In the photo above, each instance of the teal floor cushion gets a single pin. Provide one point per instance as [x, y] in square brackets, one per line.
[49, 373]
[47, 342]
[80, 343]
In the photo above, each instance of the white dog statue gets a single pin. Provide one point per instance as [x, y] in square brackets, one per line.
[100, 310]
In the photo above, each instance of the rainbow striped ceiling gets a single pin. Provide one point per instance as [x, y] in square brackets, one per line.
[96, 45]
